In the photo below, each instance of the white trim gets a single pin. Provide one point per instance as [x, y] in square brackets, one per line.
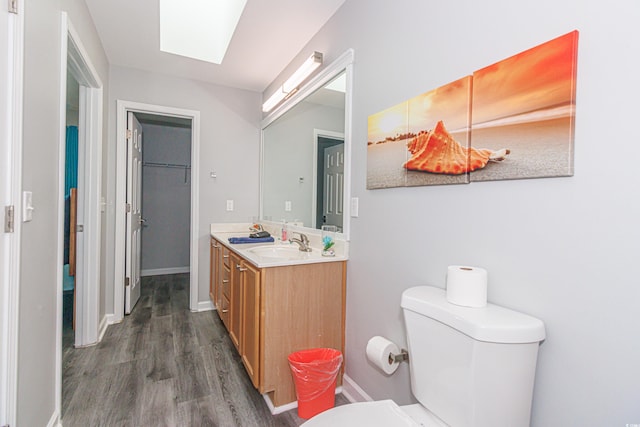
[205, 306]
[10, 193]
[102, 329]
[314, 177]
[79, 64]
[111, 320]
[122, 107]
[353, 392]
[343, 63]
[163, 271]
[75, 59]
[275, 410]
[54, 421]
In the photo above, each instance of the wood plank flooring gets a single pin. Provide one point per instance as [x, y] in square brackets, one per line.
[163, 366]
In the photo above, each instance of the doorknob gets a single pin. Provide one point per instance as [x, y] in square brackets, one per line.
[142, 221]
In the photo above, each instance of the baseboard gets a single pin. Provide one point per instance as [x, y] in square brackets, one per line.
[162, 271]
[353, 392]
[205, 306]
[102, 328]
[55, 420]
[275, 410]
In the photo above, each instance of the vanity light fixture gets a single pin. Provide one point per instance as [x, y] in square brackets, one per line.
[290, 86]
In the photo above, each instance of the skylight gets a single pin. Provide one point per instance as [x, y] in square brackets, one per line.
[199, 29]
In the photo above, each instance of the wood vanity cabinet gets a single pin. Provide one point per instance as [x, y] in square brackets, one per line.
[219, 281]
[274, 311]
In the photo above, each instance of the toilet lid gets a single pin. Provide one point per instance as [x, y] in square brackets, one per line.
[380, 413]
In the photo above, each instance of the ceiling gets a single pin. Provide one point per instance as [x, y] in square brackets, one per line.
[269, 35]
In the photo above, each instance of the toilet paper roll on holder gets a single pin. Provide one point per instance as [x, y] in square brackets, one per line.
[397, 358]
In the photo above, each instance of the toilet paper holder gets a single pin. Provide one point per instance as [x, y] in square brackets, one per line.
[397, 358]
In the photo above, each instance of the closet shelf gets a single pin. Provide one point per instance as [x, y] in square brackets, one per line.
[166, 165]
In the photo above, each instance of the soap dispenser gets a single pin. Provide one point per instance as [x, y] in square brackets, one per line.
[283, 232]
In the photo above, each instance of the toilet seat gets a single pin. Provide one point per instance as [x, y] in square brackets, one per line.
[378, 413]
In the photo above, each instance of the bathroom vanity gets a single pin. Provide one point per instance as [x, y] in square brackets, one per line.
[273, 302]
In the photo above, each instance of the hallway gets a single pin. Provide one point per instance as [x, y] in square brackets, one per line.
[163, 366]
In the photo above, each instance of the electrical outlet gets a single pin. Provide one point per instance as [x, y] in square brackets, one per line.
[229, 205]
[287, 206]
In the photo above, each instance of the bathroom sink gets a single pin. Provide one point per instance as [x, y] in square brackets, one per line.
[278, 252]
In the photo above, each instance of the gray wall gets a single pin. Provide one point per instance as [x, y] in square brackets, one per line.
[288, 155]
[229, 145]
[563, 249]
[41, 126]
[166, 197]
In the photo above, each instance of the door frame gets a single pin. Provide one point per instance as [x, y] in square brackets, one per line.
[75, 59]
[122, 108]
[10, 193]
[319, 133]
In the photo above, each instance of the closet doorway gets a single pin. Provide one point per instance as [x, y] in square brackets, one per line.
[167, 183]
[165, 197]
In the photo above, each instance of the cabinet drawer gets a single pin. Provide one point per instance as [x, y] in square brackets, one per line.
[226, 282]
[225, 256]
[223, 310]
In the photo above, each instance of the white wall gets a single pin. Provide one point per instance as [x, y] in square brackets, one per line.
[37, 322]
[229, 145]
[562, 249]
[166, 197]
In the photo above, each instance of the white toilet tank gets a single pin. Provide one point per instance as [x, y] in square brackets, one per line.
[471, 367]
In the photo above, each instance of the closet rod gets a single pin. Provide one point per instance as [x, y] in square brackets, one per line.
[166, 165]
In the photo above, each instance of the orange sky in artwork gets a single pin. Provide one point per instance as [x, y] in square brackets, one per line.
[389, 122]
[537, 78]
[449, 103]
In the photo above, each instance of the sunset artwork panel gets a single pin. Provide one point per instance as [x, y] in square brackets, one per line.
[511, 120]
[527, 104]
[392, 131]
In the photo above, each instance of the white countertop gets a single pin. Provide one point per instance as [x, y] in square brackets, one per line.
[222, 233]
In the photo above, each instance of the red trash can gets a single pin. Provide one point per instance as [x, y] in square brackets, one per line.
[314, 373]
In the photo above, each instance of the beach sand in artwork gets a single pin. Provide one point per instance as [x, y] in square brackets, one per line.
[538, 149]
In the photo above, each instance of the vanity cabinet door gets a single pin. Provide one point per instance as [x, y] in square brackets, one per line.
[223, 279]
[214, 268]
[250, 343]
[235, 301]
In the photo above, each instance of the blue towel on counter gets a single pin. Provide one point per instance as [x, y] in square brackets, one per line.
[236, 240]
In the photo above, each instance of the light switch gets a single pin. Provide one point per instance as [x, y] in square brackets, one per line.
[229, 205]
[27, 206]
[287, 206]
[354, 207]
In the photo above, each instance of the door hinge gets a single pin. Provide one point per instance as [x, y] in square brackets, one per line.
[126, 281]
[9, 219]
[129, 135]
[13, 6]
[128, 207]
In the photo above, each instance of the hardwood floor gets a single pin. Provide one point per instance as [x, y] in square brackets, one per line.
[163, 366]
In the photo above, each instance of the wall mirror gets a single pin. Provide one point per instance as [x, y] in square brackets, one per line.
[306, 151]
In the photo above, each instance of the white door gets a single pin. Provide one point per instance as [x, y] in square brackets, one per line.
[333, 176]
[134, 218]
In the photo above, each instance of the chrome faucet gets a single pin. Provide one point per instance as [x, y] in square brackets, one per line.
[303, 242]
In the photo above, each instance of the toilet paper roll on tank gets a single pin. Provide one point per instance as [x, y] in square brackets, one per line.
[467, 286]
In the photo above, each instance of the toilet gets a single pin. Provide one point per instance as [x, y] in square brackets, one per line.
[469, 367]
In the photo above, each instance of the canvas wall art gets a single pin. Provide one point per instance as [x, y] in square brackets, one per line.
[510, 120]
[406, 140]
[526, 103]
